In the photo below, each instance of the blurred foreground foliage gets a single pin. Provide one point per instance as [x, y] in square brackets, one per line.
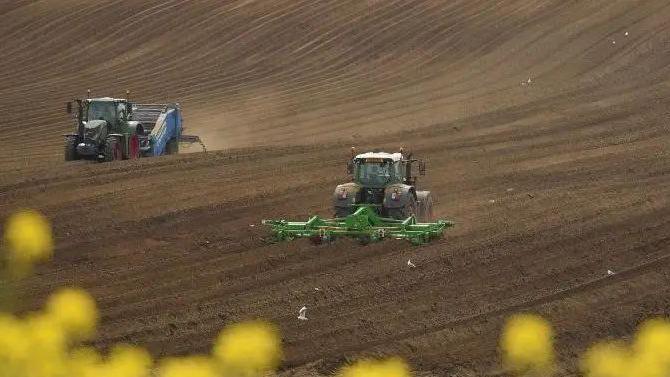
[51, 342]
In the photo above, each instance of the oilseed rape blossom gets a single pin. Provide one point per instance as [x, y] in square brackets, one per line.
[652, 342]
[123, 360]
[393, 367]
[191, 366]
[15, 347]
[527, 344]
[128, 361]
[32, 346]
[84, 362]
[28, 238]
[647, 356]
[248, 348]
[606, 359]
[74, 311]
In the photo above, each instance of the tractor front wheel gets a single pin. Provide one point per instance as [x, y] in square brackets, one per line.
[112, 150]
[71, 148]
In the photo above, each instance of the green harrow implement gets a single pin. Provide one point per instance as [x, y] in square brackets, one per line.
[364, 224]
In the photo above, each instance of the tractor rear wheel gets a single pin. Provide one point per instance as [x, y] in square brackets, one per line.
[403, 212]
[71, 148]
[134, 147]
[427, 210]
[112, 150]
[425, 206]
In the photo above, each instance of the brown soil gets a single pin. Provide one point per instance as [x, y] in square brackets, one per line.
[551, 182]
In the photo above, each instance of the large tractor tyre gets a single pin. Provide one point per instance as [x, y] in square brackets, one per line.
[112, 150]
[172, 147]
[425, 206]
[410, 209]
[427, 210]
[133, 147]
[71, 149]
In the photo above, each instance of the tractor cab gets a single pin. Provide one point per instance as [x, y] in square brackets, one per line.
[114, 112]
[378, 169]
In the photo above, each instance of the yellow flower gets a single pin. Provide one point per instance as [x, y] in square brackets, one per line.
[84, 362]
[45, 334]
[376, 368]
[14, 344]
[32, 347]
[75, 311]
[48, 347]
[28, 238]
[129, 361]
[192, 366]
[608, 359]
[647, 365]
[652, 341]
[527, 344]
[248, 348]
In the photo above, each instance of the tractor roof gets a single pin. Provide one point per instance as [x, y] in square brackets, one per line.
[106, 99]
[382, 155]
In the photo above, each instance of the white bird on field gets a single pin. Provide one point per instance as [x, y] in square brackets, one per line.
[410, 264]
[610, 272]
[301, 313]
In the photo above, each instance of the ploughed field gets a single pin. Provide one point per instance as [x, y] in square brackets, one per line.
[544, 124]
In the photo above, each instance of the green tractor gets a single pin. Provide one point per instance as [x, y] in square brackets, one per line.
[385, 182]
[381, 202]
[104, 131]
[111, 129]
